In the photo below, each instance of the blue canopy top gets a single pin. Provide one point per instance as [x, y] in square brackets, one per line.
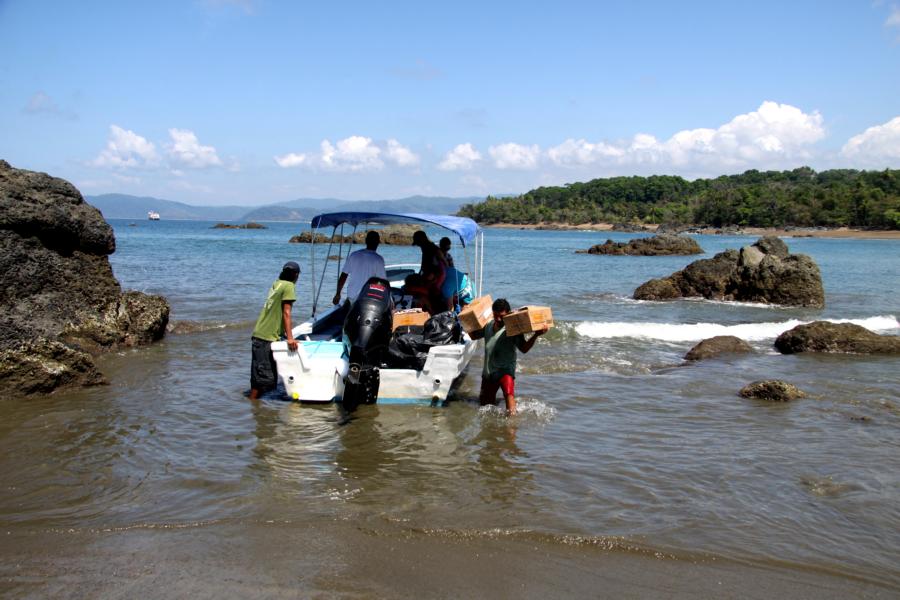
[464, 227]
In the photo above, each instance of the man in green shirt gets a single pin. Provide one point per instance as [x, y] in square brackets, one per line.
[274, 321]
[500, 358]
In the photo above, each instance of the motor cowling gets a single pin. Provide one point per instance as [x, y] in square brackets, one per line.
[367, 333]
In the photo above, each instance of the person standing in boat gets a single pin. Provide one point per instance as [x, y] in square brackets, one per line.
[434, 264]
[444, 245]
[499, 371]
[274, 321]
[360, 266]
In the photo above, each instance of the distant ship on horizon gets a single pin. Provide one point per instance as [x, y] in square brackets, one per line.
[153, 215]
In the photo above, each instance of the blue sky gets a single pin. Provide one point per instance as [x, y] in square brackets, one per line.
[257, 101]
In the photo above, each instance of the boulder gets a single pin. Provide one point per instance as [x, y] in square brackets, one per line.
[665, 244]
[764, 272]
[60, 301]
[823, 336]
[773, 390]
[720, 344]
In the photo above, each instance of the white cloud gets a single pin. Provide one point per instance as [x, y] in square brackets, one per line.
[292, 159]
[893, 19]
[186, 151]
[126, 149]
[877, 146]
[355, 153]
[461, 158]
[773, 135]
[581, 152]
[515, 156]
[400, 155]
[42, 104]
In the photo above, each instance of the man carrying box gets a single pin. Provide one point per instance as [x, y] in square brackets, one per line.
[500, 358]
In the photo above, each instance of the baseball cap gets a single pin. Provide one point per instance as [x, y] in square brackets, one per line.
[291, 266]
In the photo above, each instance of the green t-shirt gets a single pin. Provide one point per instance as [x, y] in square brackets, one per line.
[269, 324]
[500, 352]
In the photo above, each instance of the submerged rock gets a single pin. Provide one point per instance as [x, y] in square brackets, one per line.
[665, 244]
[720, 344]
[764, 272]
[60, 300]
[773, 390]
[823, 336]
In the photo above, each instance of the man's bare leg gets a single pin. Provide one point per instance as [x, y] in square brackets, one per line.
[510, 405]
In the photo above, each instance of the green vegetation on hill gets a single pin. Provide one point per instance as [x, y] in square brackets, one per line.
[802, 197]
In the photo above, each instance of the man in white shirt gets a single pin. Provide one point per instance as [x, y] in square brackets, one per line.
[360, 266]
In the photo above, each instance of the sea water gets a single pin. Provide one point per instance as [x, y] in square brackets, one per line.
[619, 444]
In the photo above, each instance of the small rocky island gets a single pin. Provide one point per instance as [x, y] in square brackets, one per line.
[250, 225]
[764, 272]
[60, 303]
[665, 244]
[392, 235]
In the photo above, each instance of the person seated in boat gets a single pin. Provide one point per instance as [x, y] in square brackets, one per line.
[360, 266]
[444, 245]
[422, 293]
[274, 321]
[434, 264]
[499, 372]
[457, 291]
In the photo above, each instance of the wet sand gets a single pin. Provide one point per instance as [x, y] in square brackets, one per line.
[339, 559]
[839, 232]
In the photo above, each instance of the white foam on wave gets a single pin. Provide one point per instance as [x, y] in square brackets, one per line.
[691, 332]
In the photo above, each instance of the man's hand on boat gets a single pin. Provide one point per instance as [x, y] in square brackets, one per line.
[292, 345]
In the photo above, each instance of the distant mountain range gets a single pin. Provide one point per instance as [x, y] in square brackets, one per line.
[123, 206]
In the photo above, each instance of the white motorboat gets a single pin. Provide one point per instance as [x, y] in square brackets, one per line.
[319, 369]
[153, 215]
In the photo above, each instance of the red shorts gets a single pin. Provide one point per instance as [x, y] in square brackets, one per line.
[489, 387]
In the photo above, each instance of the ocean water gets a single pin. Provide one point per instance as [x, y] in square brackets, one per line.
[620, 446]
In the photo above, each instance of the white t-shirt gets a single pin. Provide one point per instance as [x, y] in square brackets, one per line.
[361, 265]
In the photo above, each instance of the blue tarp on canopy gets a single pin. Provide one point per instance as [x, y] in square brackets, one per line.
[464, 227]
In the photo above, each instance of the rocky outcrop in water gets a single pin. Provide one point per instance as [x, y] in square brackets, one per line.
[250, 225]
[718, 345]
[773, 390]
[59, 301]
[764, 272]
[392, 235]
[822, 336]
[666, 244]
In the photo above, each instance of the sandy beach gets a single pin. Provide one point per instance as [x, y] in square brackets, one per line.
[839, 232]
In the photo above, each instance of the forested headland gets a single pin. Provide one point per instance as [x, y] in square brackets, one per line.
[801, 197]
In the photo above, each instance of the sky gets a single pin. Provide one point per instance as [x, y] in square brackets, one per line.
[250, 102]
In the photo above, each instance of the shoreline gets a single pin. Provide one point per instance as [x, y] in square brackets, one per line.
[799, 232]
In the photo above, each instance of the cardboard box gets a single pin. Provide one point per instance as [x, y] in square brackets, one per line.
[410, 316]
[476, 315]
[528, 319]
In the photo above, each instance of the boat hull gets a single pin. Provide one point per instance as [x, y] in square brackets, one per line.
[316, 371]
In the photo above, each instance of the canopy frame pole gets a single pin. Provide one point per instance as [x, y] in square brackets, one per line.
[324, 269]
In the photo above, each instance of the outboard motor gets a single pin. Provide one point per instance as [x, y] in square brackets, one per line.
[367, 333]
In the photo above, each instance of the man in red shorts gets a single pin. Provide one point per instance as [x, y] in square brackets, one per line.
[500, 358]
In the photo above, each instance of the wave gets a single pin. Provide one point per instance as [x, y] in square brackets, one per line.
[691, 332]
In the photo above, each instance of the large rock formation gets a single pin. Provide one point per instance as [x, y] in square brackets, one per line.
[822, 336]
[665, 244]
[720, 344]
[764, 272]
[59, 301]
